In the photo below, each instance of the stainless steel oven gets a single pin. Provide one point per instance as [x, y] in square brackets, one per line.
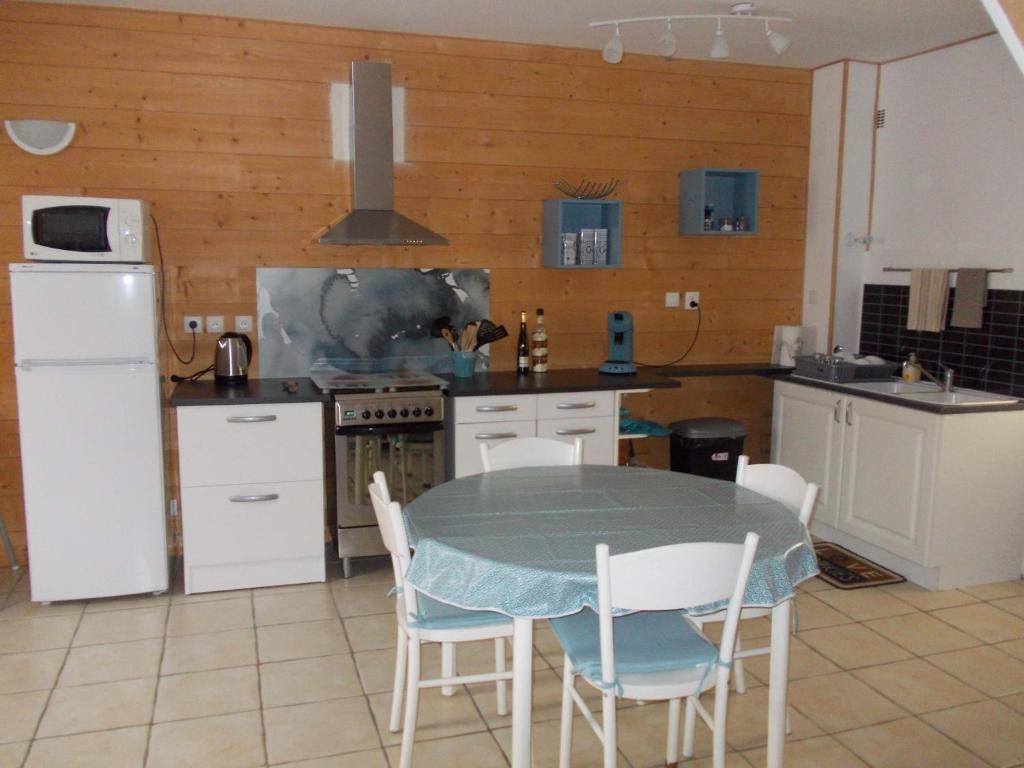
[400, 433]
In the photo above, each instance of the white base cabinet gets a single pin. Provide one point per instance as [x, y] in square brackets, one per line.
[939, 498]
[561, 416]
[252, 495]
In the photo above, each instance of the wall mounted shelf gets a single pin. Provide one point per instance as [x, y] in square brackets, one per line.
[570, 216]
[733, 192]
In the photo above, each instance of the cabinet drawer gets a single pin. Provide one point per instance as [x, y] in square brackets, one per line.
[499, 408]
[597, 433]
[225, 445]
[469, 436]
[252, 523]
[564, 405]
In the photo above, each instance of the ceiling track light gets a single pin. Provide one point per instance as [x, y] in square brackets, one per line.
[668, 43]
[612, 52]
[719, 45]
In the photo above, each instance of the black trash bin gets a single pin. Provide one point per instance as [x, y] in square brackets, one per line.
[709, 447]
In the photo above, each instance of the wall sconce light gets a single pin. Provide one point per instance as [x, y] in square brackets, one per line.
[778, 42]
[40, 137]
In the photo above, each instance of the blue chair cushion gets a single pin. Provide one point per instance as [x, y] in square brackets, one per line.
[647, 641]
[433, 614]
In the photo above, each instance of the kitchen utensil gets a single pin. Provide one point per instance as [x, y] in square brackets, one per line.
[231, 358]
[486, 337]
[467, 341]
[449, 337]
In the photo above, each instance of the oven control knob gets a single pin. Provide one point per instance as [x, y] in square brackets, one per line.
[366, 414]
[404, 413]
[416, 411]
[379, 413]
[391, 413]
[428, 411]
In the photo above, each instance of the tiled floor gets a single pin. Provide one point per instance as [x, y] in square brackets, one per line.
[892, 677]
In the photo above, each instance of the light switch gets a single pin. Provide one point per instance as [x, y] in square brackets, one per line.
[671, 298]
[215, 323]
[243, 323]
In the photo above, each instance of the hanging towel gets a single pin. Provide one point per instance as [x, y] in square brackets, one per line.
[929, 294]
[970, 297]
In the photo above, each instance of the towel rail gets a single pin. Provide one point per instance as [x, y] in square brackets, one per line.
[1006, 270]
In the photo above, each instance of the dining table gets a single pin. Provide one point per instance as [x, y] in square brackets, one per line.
[521, 542]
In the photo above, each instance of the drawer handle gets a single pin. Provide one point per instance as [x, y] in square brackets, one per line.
[250, 419]
[495, 435]
[575, 406]
[254, 497]
[496, 408]
[577, 431]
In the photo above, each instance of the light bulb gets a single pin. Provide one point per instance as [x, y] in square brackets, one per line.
[778, 41]
[612, 52]
[719, 46]
[667, 42]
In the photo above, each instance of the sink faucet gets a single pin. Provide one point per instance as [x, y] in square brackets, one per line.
[947, 377]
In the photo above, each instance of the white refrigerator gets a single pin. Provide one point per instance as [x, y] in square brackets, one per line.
[90, 425]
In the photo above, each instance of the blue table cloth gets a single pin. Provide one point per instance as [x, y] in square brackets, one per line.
[521, 541]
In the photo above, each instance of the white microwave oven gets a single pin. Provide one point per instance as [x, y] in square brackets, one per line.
[89, 229]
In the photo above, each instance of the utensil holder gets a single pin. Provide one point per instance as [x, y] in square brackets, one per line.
[463, 364]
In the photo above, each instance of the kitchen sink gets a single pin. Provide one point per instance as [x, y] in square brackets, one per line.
[964, 397]
[895, 387]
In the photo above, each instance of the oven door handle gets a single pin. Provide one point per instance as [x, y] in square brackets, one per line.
[415, 428]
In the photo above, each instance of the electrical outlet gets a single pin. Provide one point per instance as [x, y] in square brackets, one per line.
[691, 300]
[243, 323]
[215, 323]
[193, 323]
[671, 298]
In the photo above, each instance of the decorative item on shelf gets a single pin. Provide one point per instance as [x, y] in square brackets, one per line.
[666, 44]
[40, 137]
[587, 190]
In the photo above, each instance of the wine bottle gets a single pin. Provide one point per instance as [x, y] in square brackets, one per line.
[539, 348]
[523, 351]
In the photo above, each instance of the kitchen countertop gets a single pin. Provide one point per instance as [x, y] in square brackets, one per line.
[917, 405]
[724, 369]
[208, 392]
[559, 380]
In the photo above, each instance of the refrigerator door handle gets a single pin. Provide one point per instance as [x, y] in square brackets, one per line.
[30, 363]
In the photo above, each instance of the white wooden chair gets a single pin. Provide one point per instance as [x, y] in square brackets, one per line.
[531, 452]
[786, 486]
[424, 620]
[656, 654]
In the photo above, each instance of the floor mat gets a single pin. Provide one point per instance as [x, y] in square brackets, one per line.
[843, 569]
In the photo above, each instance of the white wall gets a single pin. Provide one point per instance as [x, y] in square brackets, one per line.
[855, 199]
[949, 174]
[826, 109]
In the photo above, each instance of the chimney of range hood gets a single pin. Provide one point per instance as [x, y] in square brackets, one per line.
[373, 220]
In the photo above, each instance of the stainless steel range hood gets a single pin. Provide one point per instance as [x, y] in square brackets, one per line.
[373, 220]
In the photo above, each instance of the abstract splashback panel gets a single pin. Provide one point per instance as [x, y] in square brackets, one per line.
[367, 314]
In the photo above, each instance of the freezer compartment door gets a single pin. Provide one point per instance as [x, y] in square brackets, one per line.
[92, 464]
[83, 315]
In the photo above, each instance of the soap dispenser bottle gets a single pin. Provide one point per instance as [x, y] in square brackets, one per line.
[911, 368]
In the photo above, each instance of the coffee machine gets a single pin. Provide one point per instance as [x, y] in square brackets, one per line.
[620, 344]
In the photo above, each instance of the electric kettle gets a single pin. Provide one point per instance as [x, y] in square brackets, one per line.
[231, 358]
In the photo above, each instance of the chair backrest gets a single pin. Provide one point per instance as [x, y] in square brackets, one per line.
[392, 531]
[531, 452]
[779, 482]
[673, 577]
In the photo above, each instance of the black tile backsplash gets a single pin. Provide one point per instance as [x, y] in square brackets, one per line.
[989, 358]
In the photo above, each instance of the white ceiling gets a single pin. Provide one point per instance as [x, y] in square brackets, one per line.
[822, 30]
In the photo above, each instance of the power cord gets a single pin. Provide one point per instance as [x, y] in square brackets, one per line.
[163, 307]
[192, 376]
[696, 335]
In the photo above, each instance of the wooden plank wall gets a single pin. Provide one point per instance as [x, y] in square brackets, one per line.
[222, 124]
